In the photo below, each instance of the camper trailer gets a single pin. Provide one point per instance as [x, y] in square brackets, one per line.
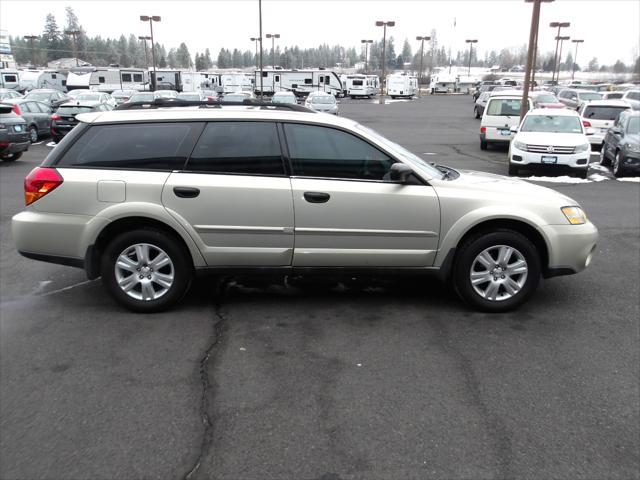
[402, 85]
[466, 84]
[442, 82]
[107, 79]
[235, 82]
[300, 82]
[9, 78]
[52, 79]
[166, 79]
[361, 85]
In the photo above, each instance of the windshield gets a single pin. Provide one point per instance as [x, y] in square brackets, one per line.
[602, 113]
[88, 97]
[323, 99]
[121, 93]
[614, 95]
[141, 97]
[552, 124]
[166, 94]
[73, 110]
[502, 107]
[634, 126]
[38, 96]
[283, 99]
[191, 97]
[428, 169]
[546, 99]
[590, 96]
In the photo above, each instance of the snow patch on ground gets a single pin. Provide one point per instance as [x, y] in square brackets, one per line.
[598, 167]
[51, 144]
[629, 179]
[596, 177]
[560, 179]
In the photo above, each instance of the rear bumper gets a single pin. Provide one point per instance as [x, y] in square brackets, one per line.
[14, 147]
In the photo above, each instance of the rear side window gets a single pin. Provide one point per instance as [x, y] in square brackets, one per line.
[504, 107]
[249, 148]
[634, 95]
[602, 113]
[326, 152]
[147, 146]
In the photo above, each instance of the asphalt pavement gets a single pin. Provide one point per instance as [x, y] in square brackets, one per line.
[329, 381]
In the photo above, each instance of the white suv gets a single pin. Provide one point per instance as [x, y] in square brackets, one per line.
[147, 198]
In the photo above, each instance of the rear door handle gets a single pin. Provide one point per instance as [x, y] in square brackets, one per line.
[316, 197]
[186, 192]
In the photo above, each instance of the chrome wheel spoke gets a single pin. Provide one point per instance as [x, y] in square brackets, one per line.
[125, 263]
[517, 268]
[511, 286]
[142, 252]
[161, 260]
[492, 290]
[127, 283]
[485, 259]
[148, 293]
[478, 278]
[504, 255]
[163, 280]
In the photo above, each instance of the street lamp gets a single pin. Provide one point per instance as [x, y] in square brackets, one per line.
[366, 45]
[256, 40]
[151, 19]
[146, 55]
[31, 38]
[561, 40]
[380, 23]
[273, 37]
[74, 34]
[575, 58]
[470, 42]
[533, 41]
[557, 25]
[422, 39]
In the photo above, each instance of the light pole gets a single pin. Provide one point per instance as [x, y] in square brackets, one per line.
[256, 40]
[561, 39]
[31, 38]
[366, 45]
[260, 35]
[470, 42]
[557, 25]
[533, 39]
[151, 19]
[273, 37]
[420, 77]
[380, 23]
[74, 34]
[146, 55]
[575, 58]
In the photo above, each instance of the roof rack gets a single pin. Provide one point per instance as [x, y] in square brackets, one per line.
[171, 102]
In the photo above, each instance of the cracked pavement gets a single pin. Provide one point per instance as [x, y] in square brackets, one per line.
[325, 381]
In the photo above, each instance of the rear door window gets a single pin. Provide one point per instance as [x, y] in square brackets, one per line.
[602, 113]
[246, 148]
[142, 146]
[502, 107]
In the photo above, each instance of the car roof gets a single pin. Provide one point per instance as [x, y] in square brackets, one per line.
[85, 103]
[22, 100]
[285, 93]
[506, 93]
[608, 103]
[555, 112]
[230, 112]
[43, 90]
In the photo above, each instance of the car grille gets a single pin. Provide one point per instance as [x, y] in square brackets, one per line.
[550, 149]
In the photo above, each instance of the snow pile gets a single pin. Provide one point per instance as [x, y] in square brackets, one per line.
[629, 179]
[560, 179]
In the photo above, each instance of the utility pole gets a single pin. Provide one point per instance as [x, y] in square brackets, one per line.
[575, 58]
[533, 34]
[559, 25]
[470, 42]
[562, 39]
[31, 38]
[420, 77]
[380, 23]
[151, 19]
[146, 55]
[260, 36]
[366, 44]
[273, 37]
[74, 34]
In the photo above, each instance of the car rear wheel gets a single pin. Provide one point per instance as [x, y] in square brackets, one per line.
[477, 114]
[146, 270]
[483, 145]
[33, 134]
[617, 166]
[513, 170]
[11, 157]
[496, 271]
[583, 173]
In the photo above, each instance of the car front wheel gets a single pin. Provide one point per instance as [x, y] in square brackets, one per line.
[496, 271]
[603, 158]
[146, 270]
[617, 166]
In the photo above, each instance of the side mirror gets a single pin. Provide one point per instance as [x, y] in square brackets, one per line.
[617, 131]
[399, 172]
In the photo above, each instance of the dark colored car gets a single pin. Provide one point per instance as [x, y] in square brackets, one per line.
[482, 89]
[14, 136]
[63, 121]
[49, 96]
[544, 99]
[621, 145]
[36, 114]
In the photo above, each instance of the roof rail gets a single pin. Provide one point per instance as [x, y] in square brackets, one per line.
[171, 102]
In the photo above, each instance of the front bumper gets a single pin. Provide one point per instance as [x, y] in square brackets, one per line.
[631, 161]
[571, 247]
[574, 160]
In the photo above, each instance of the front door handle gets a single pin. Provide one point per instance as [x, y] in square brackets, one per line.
[316, 197]
[186, 192]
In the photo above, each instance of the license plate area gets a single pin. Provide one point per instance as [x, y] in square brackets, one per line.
[505, 132]
[549, 159]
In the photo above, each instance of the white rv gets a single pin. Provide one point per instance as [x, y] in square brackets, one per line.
[107, 79]
[31, 79]
[466, 84]
[361, 85]
[300, 82]
[9, 78]
[442, 82]
[235, 82]
[402, 85]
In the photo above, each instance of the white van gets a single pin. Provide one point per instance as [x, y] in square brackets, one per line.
[500, 115]
[402, 85]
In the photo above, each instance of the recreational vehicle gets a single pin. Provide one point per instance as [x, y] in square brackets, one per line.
[235, 82]
[466, 84]
[9, 78]
[402, 85]
[107, 79]
[52, 79]
[442, 82]
[361, 85]
[300, 82]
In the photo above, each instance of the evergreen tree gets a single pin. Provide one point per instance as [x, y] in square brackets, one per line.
[183, 58]
[207, 62]
[51, 38]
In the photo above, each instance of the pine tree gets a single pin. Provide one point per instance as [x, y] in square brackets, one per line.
[183, 58]
[51, 38]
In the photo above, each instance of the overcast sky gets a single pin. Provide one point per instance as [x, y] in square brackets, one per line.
[610, 28]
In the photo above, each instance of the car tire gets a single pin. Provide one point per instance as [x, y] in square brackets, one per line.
[33, 134]
[617, 166]
[512, 272]
[143, 249]
[604, 161]
[583, 173]
[483, 145]
[514, 170]
[11, 157]
[475, 111]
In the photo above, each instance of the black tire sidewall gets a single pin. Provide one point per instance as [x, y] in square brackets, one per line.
[469, 251]
[32, 129]
[182, 264]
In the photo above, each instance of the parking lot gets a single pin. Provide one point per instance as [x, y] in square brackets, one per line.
[325, 380]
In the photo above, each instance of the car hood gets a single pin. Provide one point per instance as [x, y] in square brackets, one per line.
[551, 105]
[546, 138]
[323, 106]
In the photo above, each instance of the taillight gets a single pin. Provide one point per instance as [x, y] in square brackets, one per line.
[16, 109]
[585, 123]
[55, 116]
[483, 129]
[39, 182]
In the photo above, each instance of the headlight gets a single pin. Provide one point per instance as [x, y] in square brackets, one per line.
[633, 148]
[519, 145]
[582, 148]
[575, 215]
